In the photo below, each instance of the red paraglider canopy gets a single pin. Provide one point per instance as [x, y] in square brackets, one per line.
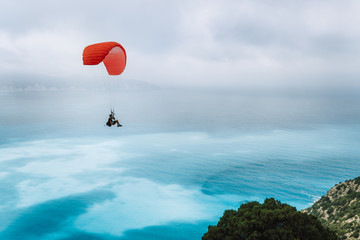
[111, 53]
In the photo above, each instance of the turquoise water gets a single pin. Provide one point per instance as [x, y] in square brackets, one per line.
[180, 160]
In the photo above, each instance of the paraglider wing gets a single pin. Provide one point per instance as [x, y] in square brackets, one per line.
[111, 53]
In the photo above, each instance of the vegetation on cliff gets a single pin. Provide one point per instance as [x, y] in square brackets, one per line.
[339, 209]
[268, 221]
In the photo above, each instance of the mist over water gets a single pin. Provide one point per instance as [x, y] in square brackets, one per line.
[179, 161]
[161, 111]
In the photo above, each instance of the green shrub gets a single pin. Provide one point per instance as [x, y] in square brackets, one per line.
[271, 220]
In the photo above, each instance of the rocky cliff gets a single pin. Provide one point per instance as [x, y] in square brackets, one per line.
[339, 209]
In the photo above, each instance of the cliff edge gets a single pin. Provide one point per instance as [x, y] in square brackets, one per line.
[339, 209]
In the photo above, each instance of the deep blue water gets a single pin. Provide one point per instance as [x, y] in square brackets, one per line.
[180, 160]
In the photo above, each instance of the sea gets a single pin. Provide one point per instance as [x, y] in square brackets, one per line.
[180, 160]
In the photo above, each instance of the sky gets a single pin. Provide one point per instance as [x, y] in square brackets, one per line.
[206, 44]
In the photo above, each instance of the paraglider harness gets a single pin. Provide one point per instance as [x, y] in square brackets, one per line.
[111, 119]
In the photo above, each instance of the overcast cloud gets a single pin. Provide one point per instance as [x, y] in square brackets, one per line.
[187, 43]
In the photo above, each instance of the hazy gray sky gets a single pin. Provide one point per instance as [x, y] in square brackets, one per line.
[200, 43]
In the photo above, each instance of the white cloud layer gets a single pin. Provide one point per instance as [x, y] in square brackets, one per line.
[58, 168]
[170, 177]
[142, 203]
[189, 43]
